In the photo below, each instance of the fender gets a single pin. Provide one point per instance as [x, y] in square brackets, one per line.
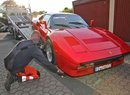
[62, 50]
[124, 47]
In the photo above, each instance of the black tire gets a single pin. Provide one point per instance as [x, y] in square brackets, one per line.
[49, 45]
[42, 45]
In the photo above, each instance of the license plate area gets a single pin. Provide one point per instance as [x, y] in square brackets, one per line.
[102, 67]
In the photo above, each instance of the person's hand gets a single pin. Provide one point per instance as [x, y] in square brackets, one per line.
[60, 72]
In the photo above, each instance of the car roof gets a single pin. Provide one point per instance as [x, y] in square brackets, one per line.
[59, 13]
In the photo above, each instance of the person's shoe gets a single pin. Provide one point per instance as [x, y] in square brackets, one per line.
[10, 79]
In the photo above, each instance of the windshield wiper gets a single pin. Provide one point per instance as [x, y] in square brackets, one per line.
[63, 25]
[76, 23]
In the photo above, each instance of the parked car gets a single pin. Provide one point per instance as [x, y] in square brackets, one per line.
[3, 27]
[76, 48]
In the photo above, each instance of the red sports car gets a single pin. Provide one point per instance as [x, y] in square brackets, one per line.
[76, 48]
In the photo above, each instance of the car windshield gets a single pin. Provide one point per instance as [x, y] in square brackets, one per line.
[67, 21]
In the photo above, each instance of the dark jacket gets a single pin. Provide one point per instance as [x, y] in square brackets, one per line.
[26, 52]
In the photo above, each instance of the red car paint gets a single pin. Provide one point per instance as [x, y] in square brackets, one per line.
[73, 47]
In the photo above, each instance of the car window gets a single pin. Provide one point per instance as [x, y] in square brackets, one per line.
[46, 18]
[60, 20]
[67, 21]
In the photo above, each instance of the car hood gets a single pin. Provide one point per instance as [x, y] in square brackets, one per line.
[81, 45]
[91, 40]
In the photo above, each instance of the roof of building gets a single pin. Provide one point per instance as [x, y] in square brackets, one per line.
[78, 2]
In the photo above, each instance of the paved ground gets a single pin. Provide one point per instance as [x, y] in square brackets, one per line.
[128, 43]
[115, 81]
[47, 85]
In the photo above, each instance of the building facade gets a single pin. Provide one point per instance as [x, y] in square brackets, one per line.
[113, 15]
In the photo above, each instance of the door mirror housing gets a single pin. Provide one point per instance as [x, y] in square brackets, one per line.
[91, 23]
[42, 24]
[38, 23]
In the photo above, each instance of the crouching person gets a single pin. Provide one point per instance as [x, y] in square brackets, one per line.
[18, 59]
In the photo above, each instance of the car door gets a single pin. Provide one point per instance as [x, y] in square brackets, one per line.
[43, 28]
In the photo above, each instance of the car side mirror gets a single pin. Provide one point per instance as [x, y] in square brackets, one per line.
[91, 23]
[42, 24]
[38, 23]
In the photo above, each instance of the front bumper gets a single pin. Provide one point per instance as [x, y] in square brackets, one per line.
[114, 61]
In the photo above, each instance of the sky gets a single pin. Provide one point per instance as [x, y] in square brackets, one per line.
[46, 5]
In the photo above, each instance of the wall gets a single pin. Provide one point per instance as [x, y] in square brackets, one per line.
[113, 15]
[97, 10]
[122, 19]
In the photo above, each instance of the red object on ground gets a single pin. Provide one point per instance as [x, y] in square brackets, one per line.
[29, 74]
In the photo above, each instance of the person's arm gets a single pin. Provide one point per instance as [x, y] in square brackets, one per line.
[38, 55]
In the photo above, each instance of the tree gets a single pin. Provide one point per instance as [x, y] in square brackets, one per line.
[9, 3]
[68, 10]
[42, 12]
[35, 13]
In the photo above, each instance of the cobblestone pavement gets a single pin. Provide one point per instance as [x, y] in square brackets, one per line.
[46, 85]
[115, 81]
[128, 43]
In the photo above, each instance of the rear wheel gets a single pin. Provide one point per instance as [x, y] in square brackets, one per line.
[50, 52]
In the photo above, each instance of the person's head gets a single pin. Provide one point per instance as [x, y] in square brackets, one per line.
[35, 37]
[41, 18]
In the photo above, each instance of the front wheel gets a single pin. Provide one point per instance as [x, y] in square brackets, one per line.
[50, 52]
